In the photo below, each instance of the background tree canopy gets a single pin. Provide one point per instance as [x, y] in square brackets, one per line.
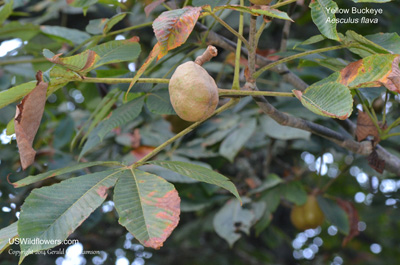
[298, 164]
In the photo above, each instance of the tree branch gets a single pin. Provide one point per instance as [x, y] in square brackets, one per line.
[392, 163]
[220, 41]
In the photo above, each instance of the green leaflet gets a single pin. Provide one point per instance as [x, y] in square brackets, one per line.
[329, 99]
[53, 173]
[6, 234]
[199, 173]
[324, 18]
[147, 205]
[72, 201]
[334, 214]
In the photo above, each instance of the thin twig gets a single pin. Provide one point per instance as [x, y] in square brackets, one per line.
[253, 48]
[182, 133]
[234, 32]
[124, 80]
[238, 52]
[299, 55]
[282, 4]
[286, 29]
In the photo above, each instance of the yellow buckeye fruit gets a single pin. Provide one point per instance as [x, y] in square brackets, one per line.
[193, 92]
[308, 215]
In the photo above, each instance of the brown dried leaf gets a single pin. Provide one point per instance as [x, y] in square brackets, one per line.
[27, 120]
[142, 151]
[365, 127]
[352, 214]
[375, 162]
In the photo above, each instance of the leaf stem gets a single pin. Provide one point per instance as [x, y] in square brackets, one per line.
[182, 133]
[34, 60]
[124, 80]
[372, 117]
[390, 135]
[253, 48]
[130, 28]
[234, 32]
[232, 92]
[221, 92]
[290, 58]
[260, 31]
[166, 6]
[282, 4]
[394, 124]
[236, 83]
[384, 108]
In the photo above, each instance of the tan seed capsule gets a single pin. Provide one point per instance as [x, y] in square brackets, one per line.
[193, 92]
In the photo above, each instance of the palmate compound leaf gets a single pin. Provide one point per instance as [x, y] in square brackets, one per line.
[331, 96]
[323, 16]
[328, 99]
[147, 205]
[172, 28]
[50, 214]
[199, 173]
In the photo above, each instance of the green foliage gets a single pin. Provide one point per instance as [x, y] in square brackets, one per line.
[235, 174]
[324, 17]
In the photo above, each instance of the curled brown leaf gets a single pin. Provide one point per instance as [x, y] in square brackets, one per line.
[375, 162]
[366, 127]
[27, 120]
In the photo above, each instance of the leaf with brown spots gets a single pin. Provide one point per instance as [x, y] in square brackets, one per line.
[148, 206]
[172, 28]
[27, 120]
[352, 214]
[50, 214]
[375, 162]
[372, 71]
[366, 127]
[80, 63]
